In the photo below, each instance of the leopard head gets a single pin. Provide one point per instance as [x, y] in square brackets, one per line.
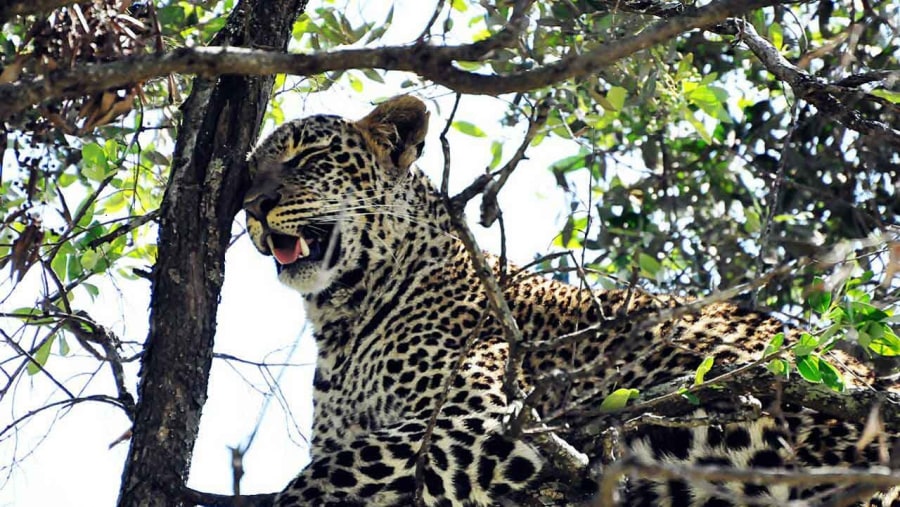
[320, 200]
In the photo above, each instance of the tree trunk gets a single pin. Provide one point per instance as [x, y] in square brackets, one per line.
[221, 120]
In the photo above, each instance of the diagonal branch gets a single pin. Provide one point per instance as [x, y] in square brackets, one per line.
[833, 100]
[430, 62]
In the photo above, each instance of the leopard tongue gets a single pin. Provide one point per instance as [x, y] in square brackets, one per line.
[290, 254]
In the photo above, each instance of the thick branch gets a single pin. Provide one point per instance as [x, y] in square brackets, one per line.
[431, 62]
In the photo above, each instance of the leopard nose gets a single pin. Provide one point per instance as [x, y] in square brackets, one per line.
[259, 204]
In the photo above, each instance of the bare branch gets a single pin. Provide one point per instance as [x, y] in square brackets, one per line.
[564, 460]
[61, 403]
[86, 330]
[258, 364]
[125, 228]
[30, 359]
[445, 147]
[489, 206]
[430, 62]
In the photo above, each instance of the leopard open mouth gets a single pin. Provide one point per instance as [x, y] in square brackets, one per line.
[311, 246]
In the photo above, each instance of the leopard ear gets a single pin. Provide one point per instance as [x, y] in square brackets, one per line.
[396, 130]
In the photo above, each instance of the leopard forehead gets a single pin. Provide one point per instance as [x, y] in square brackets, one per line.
[294, 145]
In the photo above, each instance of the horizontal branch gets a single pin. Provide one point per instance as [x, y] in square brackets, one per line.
[216, 500]
[102, 398]
[430, 62]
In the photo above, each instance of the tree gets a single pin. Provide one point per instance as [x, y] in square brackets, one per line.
[732, 148]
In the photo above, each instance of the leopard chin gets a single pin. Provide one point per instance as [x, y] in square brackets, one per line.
[306, 262]
[306, 277]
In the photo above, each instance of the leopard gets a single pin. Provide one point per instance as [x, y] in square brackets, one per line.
[417, 379]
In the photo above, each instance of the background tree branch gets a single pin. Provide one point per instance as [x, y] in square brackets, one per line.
[833, 100]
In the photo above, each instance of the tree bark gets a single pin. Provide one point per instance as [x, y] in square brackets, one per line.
[221, 120]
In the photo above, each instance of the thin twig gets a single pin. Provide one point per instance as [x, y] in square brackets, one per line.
[61, 403]
[129, 226]
[30, 358]
[445, 146]
[489, 207]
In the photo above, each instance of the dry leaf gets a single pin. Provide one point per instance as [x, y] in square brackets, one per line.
[26, 249]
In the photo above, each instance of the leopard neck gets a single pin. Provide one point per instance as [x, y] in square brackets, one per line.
[419, 241]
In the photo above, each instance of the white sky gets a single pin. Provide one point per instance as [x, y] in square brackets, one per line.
[258, 320]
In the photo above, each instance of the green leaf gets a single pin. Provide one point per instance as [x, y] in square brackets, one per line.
[890, 96]
[779, 367]
[91, 289]
[806, 345]
[703, 369]
[496, 153]
[66, 179]
[808, 366]
[862, 311]
[691, 397]
[618, 399]
[616, 97]
[32, 316]
[570, 164]
[710, 100]
[111, 149]
[89, 259]
[355, 83]
[40, 356]
[697, 124]
[774, 344]
[459, 5]
[752, 222]
[373, 74]
[94, 163]
[882, 339]
[63, 346]
[819, 300]
[831, 376]
[776, 33]
[59, 264]
[649, 265]
[468, 129]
